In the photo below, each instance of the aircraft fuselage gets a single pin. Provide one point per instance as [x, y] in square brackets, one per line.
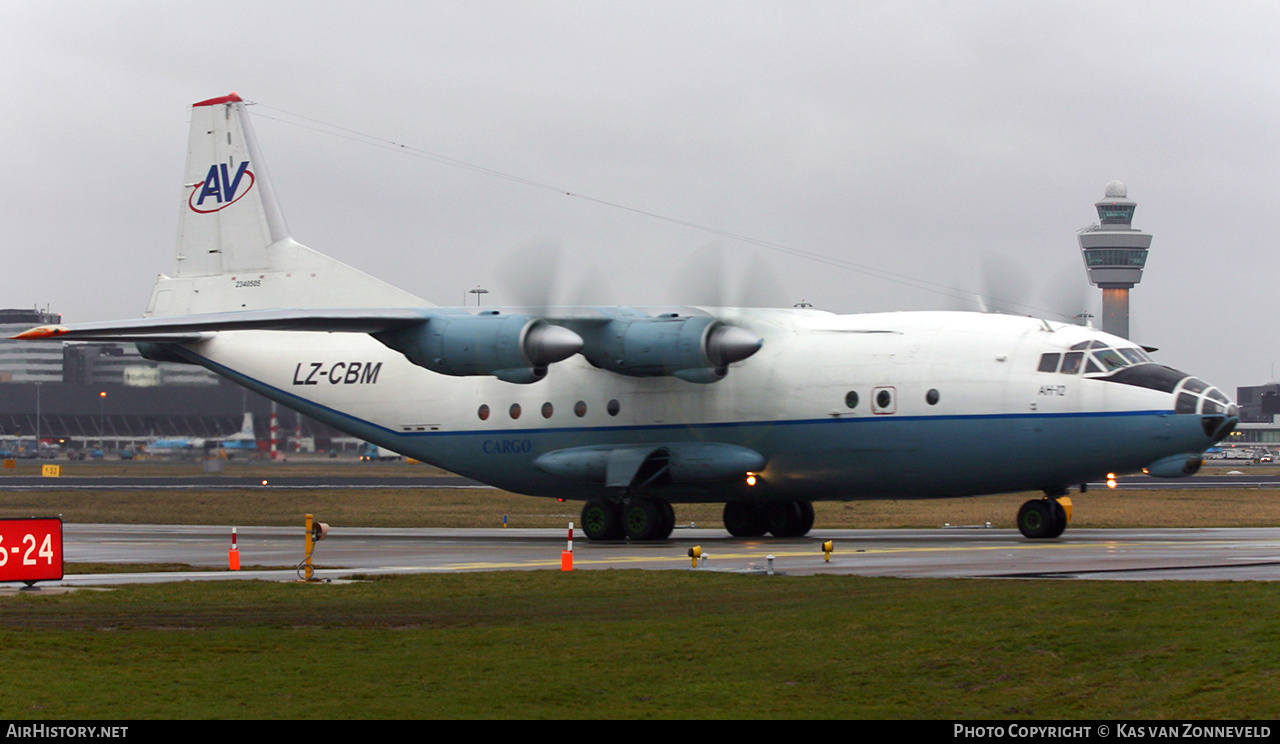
[904, 405]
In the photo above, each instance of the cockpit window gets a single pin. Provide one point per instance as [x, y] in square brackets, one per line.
[1135, 356]
[1195, 385]
[1110, 359]
[1095, 357]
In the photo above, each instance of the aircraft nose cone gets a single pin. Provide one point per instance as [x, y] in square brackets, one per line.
[547, 344]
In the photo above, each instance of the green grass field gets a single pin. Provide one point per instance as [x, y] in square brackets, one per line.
[639, 644]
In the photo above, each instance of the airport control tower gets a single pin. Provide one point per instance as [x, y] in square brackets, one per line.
[1114, 255]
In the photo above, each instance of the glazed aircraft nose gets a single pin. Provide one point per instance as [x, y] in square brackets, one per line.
[1219, 414]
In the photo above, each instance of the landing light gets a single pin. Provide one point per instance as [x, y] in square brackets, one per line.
[1111, 480]
[751, 479]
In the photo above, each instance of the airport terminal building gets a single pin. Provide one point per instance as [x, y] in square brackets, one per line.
[1259, 415]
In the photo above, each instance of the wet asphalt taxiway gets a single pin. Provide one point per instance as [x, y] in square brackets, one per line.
[1148, 554]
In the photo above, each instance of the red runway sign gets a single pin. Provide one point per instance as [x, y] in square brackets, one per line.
[31, 549]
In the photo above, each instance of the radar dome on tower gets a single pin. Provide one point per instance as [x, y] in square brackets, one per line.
[1117, 190]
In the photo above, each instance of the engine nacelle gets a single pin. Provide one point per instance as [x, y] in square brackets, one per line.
[695, 349]
[1175, 466]
[515, 348]
[160, 353]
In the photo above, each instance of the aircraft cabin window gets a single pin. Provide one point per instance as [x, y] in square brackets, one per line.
[851, 399]
[613, 407]
[884, 398]
[931, 397]
[1049, 362]
[580, 408]
[1071, 362]
[547, 410]
[483, 413]
[515, 410]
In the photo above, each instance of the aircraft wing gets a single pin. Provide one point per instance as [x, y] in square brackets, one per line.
[515, 347]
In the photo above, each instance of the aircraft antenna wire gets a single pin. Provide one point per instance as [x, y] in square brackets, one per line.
[353, 135]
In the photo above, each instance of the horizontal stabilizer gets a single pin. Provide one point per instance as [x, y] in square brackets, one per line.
[189, 328]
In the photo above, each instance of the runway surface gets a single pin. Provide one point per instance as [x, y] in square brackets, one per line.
[1167, 554]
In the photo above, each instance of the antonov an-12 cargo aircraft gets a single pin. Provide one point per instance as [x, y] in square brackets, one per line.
[630, 410]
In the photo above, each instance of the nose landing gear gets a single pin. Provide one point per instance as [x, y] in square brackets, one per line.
[1046, 517]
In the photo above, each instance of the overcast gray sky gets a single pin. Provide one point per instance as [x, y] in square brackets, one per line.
[900, 152]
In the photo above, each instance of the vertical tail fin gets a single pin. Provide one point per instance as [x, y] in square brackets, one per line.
[230, 215]
[234, 248]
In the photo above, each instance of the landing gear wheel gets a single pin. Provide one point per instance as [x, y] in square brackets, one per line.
[668, 519]
[644, 519]
[785, 519]
[1059, 518]
[602, 520]
[806, 517]
[1041, 518]
[744, 519]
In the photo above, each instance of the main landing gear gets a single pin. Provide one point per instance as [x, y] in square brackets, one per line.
[648, 519]
[778, 518]
[1046, 517]
[639, 519]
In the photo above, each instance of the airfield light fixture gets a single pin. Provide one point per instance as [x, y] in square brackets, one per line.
[102, 420]
[314, 532]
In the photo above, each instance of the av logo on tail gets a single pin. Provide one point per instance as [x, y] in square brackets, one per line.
[220, 188]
